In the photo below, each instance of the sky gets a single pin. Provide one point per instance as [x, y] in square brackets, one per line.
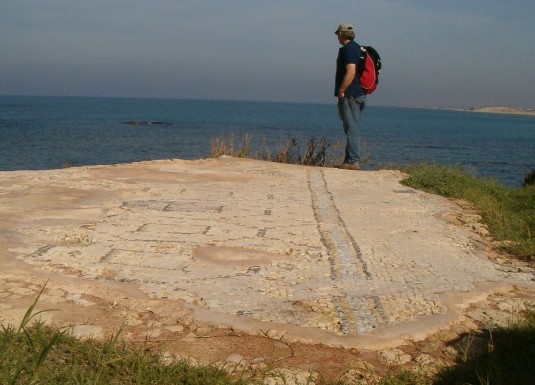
[454, 53]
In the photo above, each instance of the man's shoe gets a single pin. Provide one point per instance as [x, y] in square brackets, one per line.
[350, 166]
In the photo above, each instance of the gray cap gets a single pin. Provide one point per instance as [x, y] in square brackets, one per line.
[344, 27]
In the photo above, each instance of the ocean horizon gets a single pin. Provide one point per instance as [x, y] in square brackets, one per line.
[39, 132]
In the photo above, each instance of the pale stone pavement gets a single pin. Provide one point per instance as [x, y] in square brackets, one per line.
[344, 257]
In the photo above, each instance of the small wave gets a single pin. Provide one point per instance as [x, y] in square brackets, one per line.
[148, 123]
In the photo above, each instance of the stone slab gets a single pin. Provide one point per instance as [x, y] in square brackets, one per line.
[343, 257]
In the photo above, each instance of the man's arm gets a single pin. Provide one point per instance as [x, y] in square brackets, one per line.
[351, 70]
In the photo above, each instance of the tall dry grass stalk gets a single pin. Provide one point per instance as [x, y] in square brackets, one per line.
[221, 146]
[317, 152]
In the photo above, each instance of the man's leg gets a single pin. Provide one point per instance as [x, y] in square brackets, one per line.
[351, 110]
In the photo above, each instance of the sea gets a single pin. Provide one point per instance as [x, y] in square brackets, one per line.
[39, 133]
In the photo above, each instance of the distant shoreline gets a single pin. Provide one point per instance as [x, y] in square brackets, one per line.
[503, 110]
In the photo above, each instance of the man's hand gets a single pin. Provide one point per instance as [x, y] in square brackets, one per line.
[351, 70]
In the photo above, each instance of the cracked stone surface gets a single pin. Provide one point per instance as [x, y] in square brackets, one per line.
[342, 257]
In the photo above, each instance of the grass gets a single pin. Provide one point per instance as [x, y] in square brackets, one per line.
[34, 353]
[39, 354]
[221, 146]
[44, 355]
[508, 212]
[315, 152]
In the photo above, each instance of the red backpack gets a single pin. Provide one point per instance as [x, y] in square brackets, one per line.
[368, 68]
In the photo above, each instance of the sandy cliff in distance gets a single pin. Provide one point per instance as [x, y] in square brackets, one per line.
[504, 110]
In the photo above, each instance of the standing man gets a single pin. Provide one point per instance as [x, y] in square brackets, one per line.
[351, 96]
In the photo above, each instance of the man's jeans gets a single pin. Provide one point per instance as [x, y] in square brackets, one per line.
[349, 110]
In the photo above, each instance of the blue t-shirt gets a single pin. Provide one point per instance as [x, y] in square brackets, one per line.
[347, 54]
